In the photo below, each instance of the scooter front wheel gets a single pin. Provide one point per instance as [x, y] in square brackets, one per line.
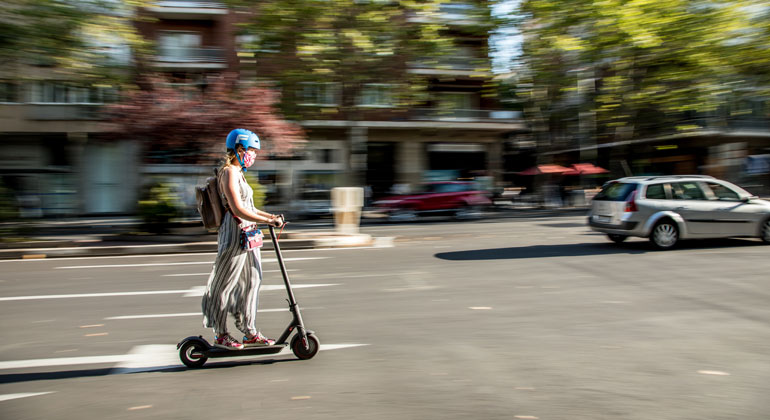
[298, 347]
[192, 354]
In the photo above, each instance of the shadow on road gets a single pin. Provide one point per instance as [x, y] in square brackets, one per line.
[584, 249]
[85, 373]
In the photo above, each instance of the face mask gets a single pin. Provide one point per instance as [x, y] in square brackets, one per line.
[249, 158]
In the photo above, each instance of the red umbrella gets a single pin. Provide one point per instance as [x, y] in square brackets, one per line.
[544, 169]
[585, 169]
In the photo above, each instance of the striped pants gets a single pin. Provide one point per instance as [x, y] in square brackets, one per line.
[233, 285]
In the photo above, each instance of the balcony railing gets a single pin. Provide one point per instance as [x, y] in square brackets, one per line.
[191, 55]
[464, 115]
[63, 112]
[188, 9]
[451, 63]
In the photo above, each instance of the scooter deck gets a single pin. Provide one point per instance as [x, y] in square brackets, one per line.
[246, 351]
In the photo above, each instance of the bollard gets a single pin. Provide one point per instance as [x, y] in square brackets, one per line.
[346, 205]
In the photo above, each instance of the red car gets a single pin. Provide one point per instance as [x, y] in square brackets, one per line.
[464, 200]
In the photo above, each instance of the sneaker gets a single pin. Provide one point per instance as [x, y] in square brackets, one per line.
[257, 340]
[226, 341]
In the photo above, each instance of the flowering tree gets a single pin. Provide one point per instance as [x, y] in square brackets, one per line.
[190, 124]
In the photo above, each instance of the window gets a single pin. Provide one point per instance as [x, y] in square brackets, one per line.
[326, 155]
[319, 94]
[655, 192]
[723, 193]
[178, 44]
[8, 92]
[376, 95]
[616, 191]
[50, 92]
[687, 191]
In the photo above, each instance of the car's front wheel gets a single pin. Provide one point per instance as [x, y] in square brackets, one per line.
[665, 234]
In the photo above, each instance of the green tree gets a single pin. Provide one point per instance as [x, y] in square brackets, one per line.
[352, 42]
[76, 39]
[639, 65]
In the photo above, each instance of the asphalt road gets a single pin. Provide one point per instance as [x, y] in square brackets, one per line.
[504, 319]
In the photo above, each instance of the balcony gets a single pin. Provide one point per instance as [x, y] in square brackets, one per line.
[188, 9]
[452, 65]
[63, 112]
[464, 115]
[454, 14]
[190, 58]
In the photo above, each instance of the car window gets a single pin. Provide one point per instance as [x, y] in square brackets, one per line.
[687, 191]
[448, 188]
[616, 191]
[655, 192]
[723, 193]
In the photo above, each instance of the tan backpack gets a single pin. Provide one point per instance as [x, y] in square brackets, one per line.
[210, 205]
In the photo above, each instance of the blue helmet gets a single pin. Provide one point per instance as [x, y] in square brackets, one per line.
[243, 137]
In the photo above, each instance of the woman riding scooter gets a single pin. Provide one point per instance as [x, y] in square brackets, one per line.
[233, 285]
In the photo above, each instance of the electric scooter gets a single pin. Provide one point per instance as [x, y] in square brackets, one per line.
[194, 351]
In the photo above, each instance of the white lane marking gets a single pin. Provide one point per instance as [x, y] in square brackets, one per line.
[266, 260]
[713, 372]
[185, 314]
[61, 361]
[209, 273]
[7, 397]
[140, 358]
[195, 291]
[200, 290]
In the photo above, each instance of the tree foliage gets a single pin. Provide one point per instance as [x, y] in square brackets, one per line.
[351, 42]
[189, 125]
[640, 64]
[79, 39]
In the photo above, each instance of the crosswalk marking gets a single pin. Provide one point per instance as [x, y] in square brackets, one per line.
[6, 397]
[266, 260]
[192, 292]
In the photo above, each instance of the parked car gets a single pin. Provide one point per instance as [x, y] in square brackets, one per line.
[312, 204]
[666, 209]
[464, 200]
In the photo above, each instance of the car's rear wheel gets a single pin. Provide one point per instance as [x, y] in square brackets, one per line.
[403, 215]
[468, 213]
[765, 234]
[665, 234]
[617, 238]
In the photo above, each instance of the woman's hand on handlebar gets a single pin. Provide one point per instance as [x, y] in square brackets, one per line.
[276, 221]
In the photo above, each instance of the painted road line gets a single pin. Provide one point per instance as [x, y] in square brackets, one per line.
[191, 254]
[209, 273]
[140, 358]
[186, 314]
[195, 291]
[200, 290]
[6, 397]
[267, 260]
[61, 361]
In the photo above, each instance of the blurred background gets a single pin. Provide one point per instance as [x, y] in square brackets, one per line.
[121, 107]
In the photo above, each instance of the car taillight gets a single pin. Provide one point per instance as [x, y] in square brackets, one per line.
[631, 203]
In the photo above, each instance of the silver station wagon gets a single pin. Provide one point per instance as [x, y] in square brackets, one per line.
[669, 208]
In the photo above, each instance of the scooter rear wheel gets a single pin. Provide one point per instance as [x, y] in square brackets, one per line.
[298, 347]
[192, 354]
